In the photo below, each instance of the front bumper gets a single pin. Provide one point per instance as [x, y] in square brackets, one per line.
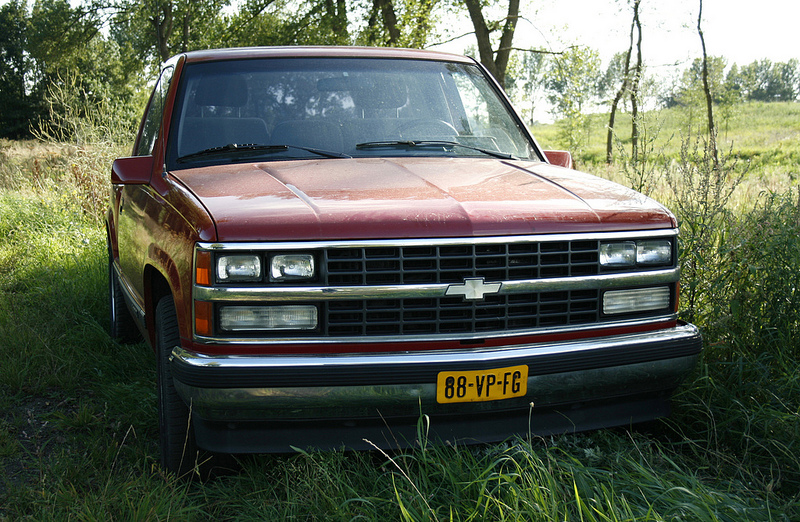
[572, 384]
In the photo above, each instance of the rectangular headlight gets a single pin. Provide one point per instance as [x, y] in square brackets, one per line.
[642, 252]
[618, 254]
[284, 317]
[238, 267]
[287, 267]
[654, 252]
[635, 300]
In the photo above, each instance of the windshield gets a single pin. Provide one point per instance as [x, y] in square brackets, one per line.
[277, 109]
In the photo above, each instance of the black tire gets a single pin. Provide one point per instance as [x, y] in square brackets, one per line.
[179, 453]
[122, 326]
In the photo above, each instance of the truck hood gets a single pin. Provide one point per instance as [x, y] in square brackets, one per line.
[331, 199]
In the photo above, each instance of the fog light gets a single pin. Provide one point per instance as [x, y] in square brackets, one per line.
[636, 300]
[618, 254]
[238, 267]
[290, 317]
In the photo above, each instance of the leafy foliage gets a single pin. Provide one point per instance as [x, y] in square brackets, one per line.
[571, 80]
[17, 103]
[763, 80]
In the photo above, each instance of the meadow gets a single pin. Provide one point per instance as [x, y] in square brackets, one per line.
[78, 421]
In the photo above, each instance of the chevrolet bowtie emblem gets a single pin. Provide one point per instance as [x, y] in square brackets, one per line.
[473, 288]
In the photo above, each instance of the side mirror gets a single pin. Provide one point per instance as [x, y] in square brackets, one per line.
[135, 170]
[562, 158]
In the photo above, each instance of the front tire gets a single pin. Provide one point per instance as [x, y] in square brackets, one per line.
[179, 453]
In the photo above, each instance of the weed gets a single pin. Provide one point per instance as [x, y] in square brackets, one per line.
[702, 184]
[78, 436]
[644, 172]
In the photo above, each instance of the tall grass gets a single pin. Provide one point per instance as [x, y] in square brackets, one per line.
[740, 260]
[78, 436]
[765, 136]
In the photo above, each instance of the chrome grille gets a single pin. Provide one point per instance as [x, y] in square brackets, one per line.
[454, 315]
[420, 264]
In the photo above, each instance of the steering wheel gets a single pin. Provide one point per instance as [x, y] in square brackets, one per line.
[426, 128]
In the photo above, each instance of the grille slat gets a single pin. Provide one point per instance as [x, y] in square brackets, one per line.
[452, 263]
[454, 315]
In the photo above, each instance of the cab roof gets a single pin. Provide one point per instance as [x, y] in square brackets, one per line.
[321, 52]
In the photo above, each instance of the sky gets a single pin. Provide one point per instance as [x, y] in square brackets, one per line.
[740, 31]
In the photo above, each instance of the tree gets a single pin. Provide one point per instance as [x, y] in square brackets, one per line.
[763, 80]
[636, 78]
[400, 24]
[572, 80]
[622, 66]
[617, 73]
[404, 23]
[496, 61]
[158, 29]
[689, 90]
[525, 81]
[786, 78]
[15, 70]
[255, 23]
[387, 33]
[712, 131]
[48, 48]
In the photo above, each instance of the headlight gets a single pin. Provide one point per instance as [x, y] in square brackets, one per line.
[654, 252]
[238, 267]
[636, 300]
[286, 267]
[643, 252]
[618, 254]
[284, 317]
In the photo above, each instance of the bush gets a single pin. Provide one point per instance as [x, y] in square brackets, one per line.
[764, 259]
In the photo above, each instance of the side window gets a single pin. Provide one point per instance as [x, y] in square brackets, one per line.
[152, 120]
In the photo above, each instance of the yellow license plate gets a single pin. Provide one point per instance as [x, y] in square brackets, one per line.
[482, 385]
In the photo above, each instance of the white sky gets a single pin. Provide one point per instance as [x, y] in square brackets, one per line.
[741, 31]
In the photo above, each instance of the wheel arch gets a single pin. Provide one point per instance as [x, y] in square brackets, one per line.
[157, 285]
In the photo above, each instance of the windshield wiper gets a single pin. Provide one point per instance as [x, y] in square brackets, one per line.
[432, 143]
[254, 148]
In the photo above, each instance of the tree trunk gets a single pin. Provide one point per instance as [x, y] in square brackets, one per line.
[635, 82]
[386, 9]
[712, 131]
[496, 65]
[338, 14]
[506, 41]
[618, 97]
[163, 28]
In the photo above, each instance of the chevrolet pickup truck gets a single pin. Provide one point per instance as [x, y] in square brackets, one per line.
[355, 248]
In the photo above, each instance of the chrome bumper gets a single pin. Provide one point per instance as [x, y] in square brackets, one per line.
[268, 388]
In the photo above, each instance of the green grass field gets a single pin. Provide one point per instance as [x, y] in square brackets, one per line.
[765, 134]
[78, 424]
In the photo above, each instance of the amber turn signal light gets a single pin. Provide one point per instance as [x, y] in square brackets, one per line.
[203, 314]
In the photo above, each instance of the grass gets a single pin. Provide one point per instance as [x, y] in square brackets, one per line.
[767, 135]
[78, 435]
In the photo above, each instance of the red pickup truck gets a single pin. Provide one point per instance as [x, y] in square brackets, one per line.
[326, 247]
